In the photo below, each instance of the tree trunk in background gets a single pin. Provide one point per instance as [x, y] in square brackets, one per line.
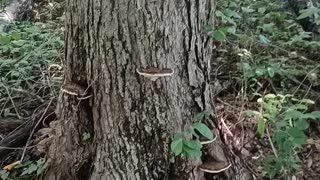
[131, 119]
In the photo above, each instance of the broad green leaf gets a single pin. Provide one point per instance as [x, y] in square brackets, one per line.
[313, 115]
[293, 114]
[193, 144]
[299, 141]
[219, 14]
[316, 114]
[218, 35]
[301, 107]
[4, 40]
[302, 124]
[16, 36]
[296, 133]
[279, 136]
[191, 153]
[261, 126]
[308, 12]
[176, 146]
[203, 130]
[287, 145]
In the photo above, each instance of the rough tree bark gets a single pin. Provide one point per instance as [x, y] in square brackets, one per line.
[130, 119]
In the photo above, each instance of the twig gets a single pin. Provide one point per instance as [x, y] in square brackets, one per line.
[34, 129]
[13, 148]
[301, 83]
[225, 126]
[225, 103]
[13, 104]
[270, 141]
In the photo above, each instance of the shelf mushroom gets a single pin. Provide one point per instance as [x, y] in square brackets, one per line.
[214, 167]
[154, 73]
[75, 90]
[204, 140]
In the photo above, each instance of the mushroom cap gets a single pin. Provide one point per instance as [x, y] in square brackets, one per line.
[73, 89]
[155, 72]
[214, 167]
[204, 140]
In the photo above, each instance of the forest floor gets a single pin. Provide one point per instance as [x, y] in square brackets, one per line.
[265, 76]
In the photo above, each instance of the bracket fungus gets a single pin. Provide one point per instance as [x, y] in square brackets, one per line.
[75, 90]
[204, 141]
[214, 167]
[154, 73]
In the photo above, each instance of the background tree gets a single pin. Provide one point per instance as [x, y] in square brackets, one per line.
[124, 129]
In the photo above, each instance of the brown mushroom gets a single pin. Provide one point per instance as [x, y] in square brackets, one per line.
[204, 140]
[154, 73]
[214, 167]
[73, 89]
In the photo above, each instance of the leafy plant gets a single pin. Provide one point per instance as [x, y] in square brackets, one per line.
[26, 53]
[287, 118]
[191, 148]
[27, 170]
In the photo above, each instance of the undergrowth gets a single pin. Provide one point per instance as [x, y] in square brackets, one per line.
[30, 71]
[276, 54]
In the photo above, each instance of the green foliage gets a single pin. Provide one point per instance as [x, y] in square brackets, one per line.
[182, 145]
[26, 52]
[287, 117]
[312, 12]
[25, 171]
[269, 40]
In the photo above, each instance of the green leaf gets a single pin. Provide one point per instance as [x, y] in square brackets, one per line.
[4, 174]
[264, 39]
[296, 133]
[203, 130]
[279, 136]
[308, 12]
[287, 145]
[302, 124]
[4, 40]
[251, 113]
[293, 114]
[191, 153]
[301, 107]
[42, 168]
[193, 144]
[261, 126]
[313, 115]
[316, 114]
[307, 101]
[200, 116]
[219, 14]
[270, 72]
[270, 96]
[218, 35]
[15, 35]
[247, 10]
[176, 146]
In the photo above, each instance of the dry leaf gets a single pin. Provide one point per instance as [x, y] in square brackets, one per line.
[11, 166]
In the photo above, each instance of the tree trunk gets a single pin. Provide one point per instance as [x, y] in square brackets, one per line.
[131, 119]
